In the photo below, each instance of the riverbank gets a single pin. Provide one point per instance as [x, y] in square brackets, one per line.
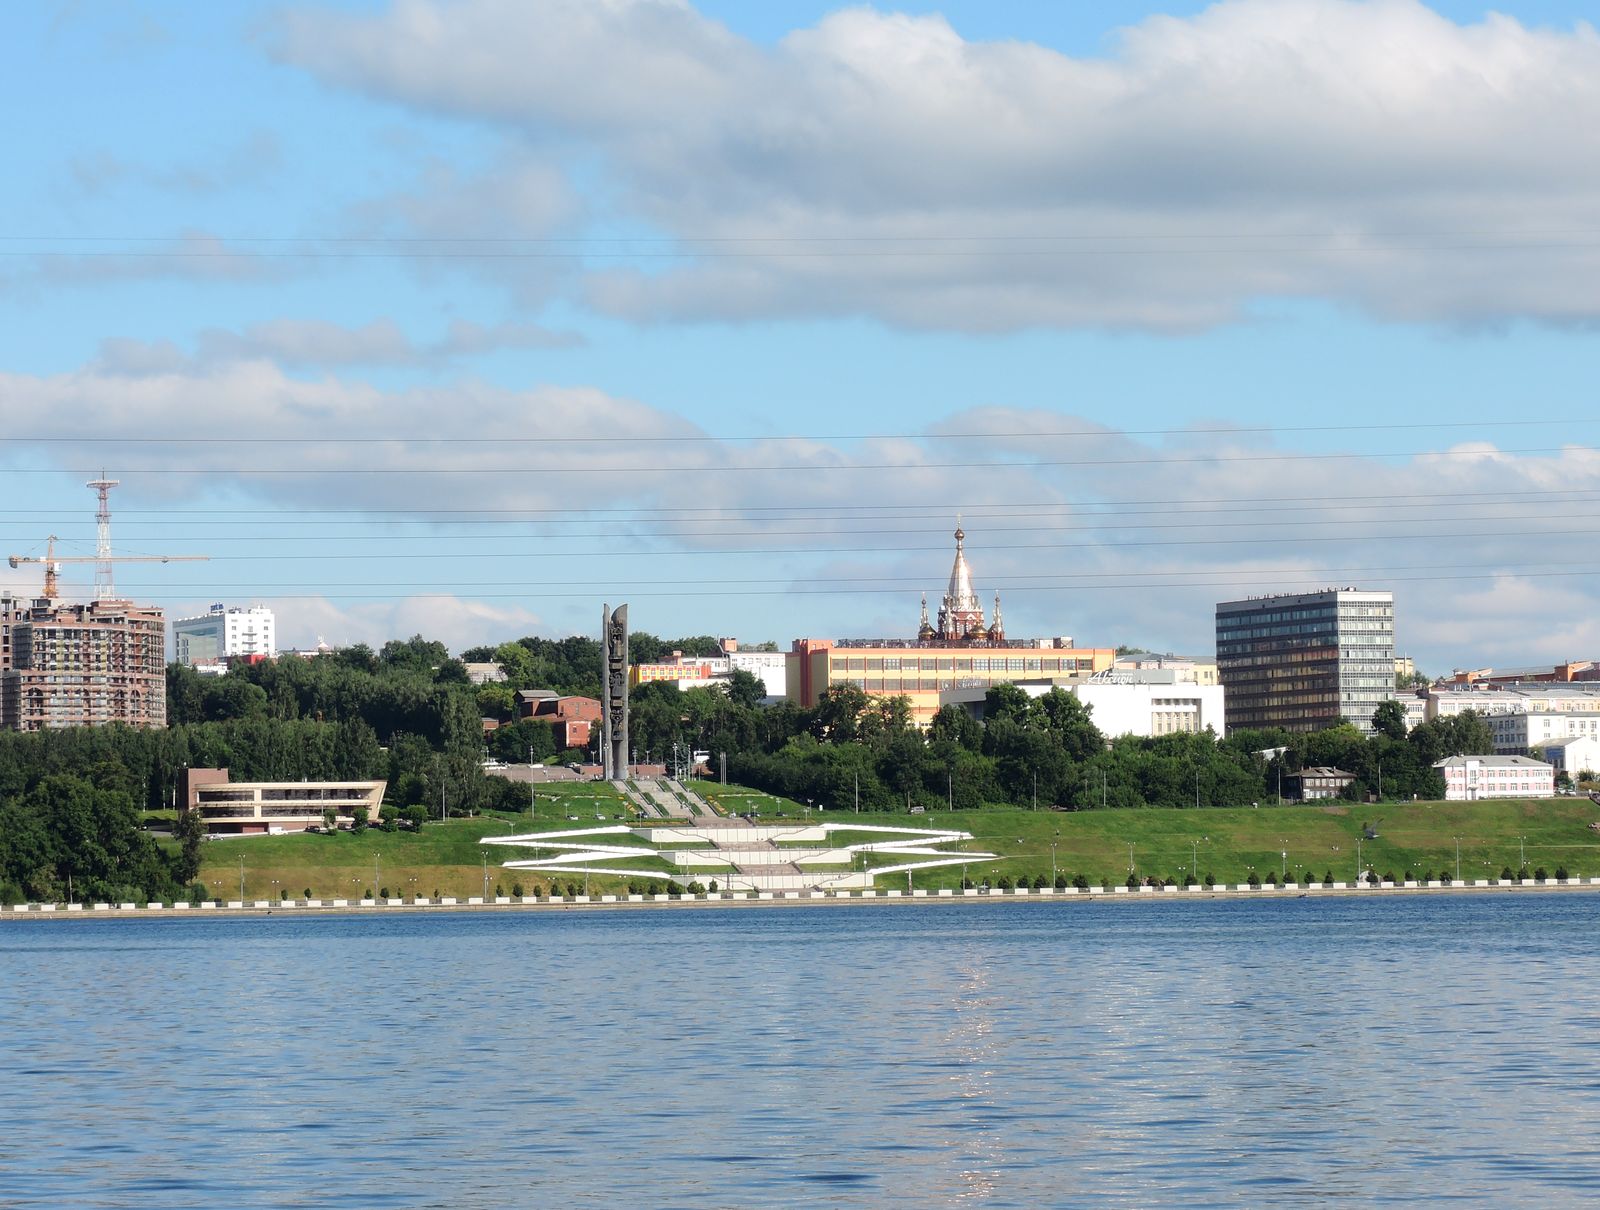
[1420, 841]
[737, 899]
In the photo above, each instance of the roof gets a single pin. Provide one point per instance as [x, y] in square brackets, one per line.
[1325, 771]
[1492, 762]
[961, 594]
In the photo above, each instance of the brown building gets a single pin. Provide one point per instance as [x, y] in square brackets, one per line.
[67, 665]
[571, 718]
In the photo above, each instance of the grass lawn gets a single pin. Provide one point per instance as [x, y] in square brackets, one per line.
[1228, 843]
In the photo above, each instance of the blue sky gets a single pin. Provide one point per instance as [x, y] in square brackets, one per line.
[461, 318]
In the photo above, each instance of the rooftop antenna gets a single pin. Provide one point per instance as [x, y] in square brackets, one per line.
[105, 588]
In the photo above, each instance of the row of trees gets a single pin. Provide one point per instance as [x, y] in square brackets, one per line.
[409, 713]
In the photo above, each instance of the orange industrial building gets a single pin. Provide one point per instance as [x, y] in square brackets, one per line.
[961, 651]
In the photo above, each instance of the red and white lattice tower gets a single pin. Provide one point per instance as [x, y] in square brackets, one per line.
[105, 588]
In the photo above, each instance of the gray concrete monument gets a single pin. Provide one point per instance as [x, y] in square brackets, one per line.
[614, 691]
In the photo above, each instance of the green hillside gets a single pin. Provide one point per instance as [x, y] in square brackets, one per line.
[1228, 843]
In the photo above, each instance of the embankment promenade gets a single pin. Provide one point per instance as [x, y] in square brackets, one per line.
[766, 899]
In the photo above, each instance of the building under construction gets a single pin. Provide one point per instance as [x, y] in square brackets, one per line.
[82, 665]
[75, 665]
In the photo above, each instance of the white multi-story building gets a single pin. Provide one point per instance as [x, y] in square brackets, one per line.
[224, 631]
[1469, 778]
[1524, 717]
[1125, 703]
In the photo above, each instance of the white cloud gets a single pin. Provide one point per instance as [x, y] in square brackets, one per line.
[1374, 153]
[457, 622]
[316, 343]
[1105, 536]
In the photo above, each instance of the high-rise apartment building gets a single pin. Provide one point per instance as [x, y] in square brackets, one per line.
[224, 631]
[1306, 660]
[81, 665]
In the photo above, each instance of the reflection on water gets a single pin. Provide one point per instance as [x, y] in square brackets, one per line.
[922, 1054]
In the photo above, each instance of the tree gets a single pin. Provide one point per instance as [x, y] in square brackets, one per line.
[190, 831]
[1389, 719]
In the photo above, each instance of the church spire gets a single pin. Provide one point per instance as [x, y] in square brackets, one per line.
[961, 613]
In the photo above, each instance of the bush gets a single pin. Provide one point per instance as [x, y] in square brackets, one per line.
[358, 820]
[1061, 882]
[1561, 873]
[1255, 879]
[516, 889]
[1327, 878]
[1133, 882]
[384, 893]
[1523, 874]
[696, 889]
[1540, 875]
[1210, 881]
[1038, 882]
[308, 892]
[1081, 882]
[1188, 878]
[1272, 879]
[1506, 875]
[1004, 883]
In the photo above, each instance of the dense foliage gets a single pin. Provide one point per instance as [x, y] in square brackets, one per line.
[69, 800]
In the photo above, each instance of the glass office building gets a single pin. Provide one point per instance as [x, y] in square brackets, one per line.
[1305, 661]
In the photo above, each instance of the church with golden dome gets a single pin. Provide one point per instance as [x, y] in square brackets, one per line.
[961, 650]
[961, 613]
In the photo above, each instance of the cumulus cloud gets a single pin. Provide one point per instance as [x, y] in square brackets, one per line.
[458, 622]
[316, 343]
[1374, 153]
[565, 494]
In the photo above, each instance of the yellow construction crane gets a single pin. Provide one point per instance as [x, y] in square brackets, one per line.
[52, 563]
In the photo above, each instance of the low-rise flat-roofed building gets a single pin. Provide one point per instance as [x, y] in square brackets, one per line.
[231, 808]
[1186, 670]
[1573, 756]
[1123, 703]
[571, 718]
[81, 665]
[960, 652]
[1471, 778]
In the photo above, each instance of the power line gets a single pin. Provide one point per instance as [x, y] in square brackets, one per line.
[636, 590]
[766, 551]
[704, 438]
[968, 509]
[696, 535]
[815, 468]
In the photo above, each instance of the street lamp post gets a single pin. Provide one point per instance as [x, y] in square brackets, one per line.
[1522, 854]
[1131, 866]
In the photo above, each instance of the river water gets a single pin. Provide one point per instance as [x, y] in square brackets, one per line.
[995, 1054]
